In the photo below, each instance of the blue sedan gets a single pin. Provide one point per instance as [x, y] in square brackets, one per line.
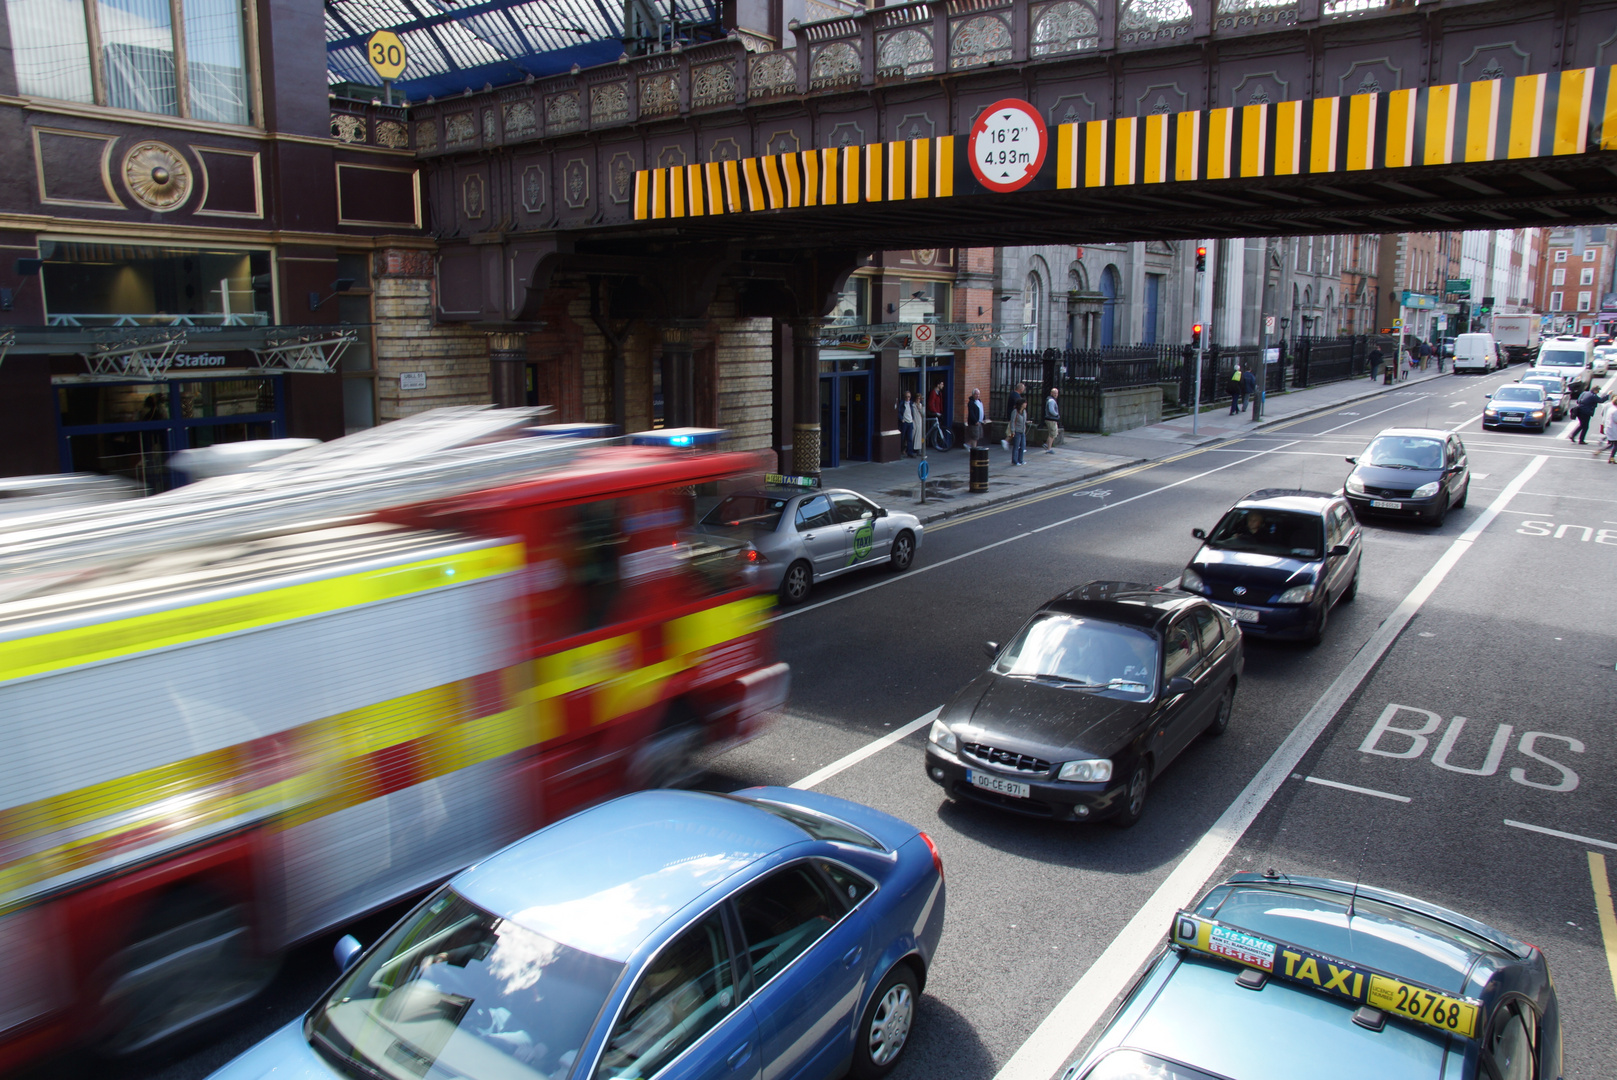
[770, 933]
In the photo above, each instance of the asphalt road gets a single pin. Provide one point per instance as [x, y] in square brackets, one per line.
[1502, 675]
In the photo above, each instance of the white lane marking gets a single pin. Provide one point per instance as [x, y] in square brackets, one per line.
[1466, 422]
[819, 776]
[1055, 1040]
[1356, 788]
[1479, 476]
[1557, 833]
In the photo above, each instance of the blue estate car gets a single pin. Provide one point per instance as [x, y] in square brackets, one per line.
[1273, 977]
[673, 934]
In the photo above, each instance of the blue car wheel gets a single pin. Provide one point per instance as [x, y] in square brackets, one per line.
[884, 1030]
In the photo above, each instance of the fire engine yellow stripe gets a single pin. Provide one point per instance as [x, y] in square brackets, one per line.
[659, 193]
[1123, 152]
[1156, 149]
[1608, 120]
[754, 184]
[1400, 150]
[693, 184]
[1254, 139]
[1361, 140]
[713, 175]
[1288, 138]
[1438, 145]
[873, 171]
[143, 633]
[772, 182]
[828, 176]
[1482, 120]
[1322, 135]
[1526, 115]
[1187, 152]
[850, 174]
[1095, 153]
[944, 171]
[921, 168]
[1219, 137]
[895, 170]
[642, 194]
[1572, 111]
[1066, 156]
[691, 634]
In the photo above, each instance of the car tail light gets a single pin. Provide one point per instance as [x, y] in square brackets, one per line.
[937, 860]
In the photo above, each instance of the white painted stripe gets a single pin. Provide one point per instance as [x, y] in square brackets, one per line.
[1055, 1040]
[1561, 835]
[1357, 788]
[819, 776]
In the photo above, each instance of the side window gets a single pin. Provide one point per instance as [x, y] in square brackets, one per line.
[854, 887]
[1510, 1042]
[593, 543]
[850, 507]
[781, 916]
[687, 989]
[1179, 649]
[1208, 629]
[814, 513]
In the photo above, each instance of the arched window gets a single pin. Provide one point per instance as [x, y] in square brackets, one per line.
[1111, 289]
[1032, 310]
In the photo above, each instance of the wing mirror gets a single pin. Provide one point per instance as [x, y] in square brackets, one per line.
[1200, 534]
[1487, 395]
[881, 511]
[1339, 550]
[1179, 685]
[990, 649]
[346, 951]
[1351, 460]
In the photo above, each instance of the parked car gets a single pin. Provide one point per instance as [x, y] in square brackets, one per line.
[1089, 702]
[1278, 560]
[794, 537]
[1604, 355]
[685, 935]
[1446, 346]
[1555, 391]
[1419, 473]
[1277, 976]
[1524, 405]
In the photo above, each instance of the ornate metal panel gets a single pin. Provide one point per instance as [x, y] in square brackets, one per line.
[713, 84]
[391, 133]
[609, 102]
[908, 52]
[347, 128]
[620, 176]
[491, 134]
[834, 64]
[771, 74]
[426, 135]
[1255, 14]
[520, 123]
[1068, 26]
[562, 113]
[533, 188]
[659, 93]
[1155, 22]
[459, 130]
[980, 39]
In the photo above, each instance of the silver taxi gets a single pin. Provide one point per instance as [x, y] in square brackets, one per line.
[794, 537]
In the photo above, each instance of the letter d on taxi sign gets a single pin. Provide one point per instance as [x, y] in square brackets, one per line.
[1184, 929]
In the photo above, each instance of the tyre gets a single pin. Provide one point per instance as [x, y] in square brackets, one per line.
[668, 758]
[884, 1030]
[903, 552]
[942, 438]
[1221, 719]
[1318, 634]
[1139, 787]
[797, 584]
[1442, 513]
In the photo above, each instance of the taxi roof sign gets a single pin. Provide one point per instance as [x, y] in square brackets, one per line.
[776, 479]
[1326, 974]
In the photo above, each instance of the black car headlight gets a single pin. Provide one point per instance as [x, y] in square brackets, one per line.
[1090, 770]
[1354, 485]
[943, 737]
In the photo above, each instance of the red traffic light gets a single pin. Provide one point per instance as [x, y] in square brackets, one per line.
[1201, 258]
[1201, 253]
[1196, 335]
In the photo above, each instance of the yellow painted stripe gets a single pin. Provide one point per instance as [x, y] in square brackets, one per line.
[1608, 121]
[828, 176]
[895, 170]
[163, 629]
[659, 193]
[1254, 139]
[772, 185]
[1572, 111]
[873, 172]
[676, 191]
[1123, 151]
[1361, 140]
[1187, 152]
[1400, 150]
[1482, 120]
[945, 166]
[1067, 156]
[1322, 135]
[715, 187]
[810, 160]
[1219, 136]
[1156, 149]
[735, 193]
[794, 179]
[920, 168]
[1526, 115]
[1288, 138]
[850, 174]
[693, 181]
[1095, 153]
[1441, 103]
[642, 195]
[1605, 914]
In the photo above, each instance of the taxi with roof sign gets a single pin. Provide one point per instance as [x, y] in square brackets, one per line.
[1273, 977]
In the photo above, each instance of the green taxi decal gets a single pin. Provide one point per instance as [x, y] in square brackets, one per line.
[864, 538]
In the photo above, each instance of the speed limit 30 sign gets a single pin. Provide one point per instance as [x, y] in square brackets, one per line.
[385, 52]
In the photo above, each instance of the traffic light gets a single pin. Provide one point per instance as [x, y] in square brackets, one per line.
[1196, 336]
[1201, 258]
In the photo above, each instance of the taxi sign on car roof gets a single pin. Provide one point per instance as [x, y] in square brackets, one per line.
[1328, 974]
[776, 479]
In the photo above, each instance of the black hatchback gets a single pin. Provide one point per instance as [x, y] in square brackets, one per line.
[1417, 473]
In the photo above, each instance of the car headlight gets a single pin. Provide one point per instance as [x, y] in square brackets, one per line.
[1192, 581]
[1355, 486]
[1297, 594]
[941, 735]
[1490, 411]
[1538, 415]
[1090, 771]
[1426, 491]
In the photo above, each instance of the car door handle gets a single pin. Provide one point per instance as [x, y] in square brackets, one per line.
[740, 1054]
[853, 956]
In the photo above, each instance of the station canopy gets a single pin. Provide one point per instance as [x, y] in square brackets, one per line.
[454, 47]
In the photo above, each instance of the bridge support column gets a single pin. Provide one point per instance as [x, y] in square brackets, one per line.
[806, 397]
[678, 376]
[507, 369]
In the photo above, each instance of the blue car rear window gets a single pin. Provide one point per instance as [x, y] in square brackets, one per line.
[817, 826]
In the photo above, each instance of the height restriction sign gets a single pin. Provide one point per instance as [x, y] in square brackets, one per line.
[386, 53]
[1007, 145]
[923, 340]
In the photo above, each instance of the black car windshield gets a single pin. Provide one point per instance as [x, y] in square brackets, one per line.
[1404, 452]
[457, 992]
[1083, 653]
[758, 512]
[1519, 393]
[1284, 533]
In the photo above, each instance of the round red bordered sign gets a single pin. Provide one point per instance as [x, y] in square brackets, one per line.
[1007, 145]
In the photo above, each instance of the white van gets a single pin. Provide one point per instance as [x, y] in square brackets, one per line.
[1475, 352]
[1572, 358]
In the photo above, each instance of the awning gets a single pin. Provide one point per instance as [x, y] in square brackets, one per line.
[154, 352]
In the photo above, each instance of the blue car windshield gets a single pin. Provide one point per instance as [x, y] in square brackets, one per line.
[457, 992]
[1282, 533]
[1083, 653]
[1520, 393]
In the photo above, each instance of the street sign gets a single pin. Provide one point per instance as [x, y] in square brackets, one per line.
[923, 340]
[412, 380]
[1271, 356]
[1268, 324]
[1398, 324]
[1007, 145]
[922, 470]
[1458, 286]
[386, 53]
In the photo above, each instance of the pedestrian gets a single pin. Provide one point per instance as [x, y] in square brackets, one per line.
[915, 442]
[975, 417]
[1425, 352]
[1237, 390]
[1249, 388]
[1018, 397]
[1583, 411]
[1018, 430]
[1376, 358]
[906, 423]
[1052, 419]
[1608, 432]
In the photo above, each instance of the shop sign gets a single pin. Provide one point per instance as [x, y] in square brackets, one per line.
[1419, 301]
[199, 360]
[853, 342]
[412, 380]
[1458, 286]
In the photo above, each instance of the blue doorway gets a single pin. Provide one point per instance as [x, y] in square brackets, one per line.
[1153, 294]
[1110, 287]
[847, 413]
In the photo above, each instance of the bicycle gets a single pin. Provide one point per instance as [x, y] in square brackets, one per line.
[940, 437]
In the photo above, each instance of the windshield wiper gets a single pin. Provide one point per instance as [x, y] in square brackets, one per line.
[1051, 676]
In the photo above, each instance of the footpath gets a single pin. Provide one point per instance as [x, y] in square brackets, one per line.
[895, 485]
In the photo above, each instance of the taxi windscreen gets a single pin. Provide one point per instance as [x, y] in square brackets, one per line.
[1270, 532]
[758, 512]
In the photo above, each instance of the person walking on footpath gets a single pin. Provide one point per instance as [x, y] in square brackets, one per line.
[916, 442]
[1583, 411]
[976, 415]
[1376, 359]
[1249, 388]
[1018, 396]
[1237, 390]
[1608, 433]
[1018, 430]
[1052, 420]
[906, 423]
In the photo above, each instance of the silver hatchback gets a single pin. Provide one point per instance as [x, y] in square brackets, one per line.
[792, 538]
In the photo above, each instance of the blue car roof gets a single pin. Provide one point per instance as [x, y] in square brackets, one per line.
[605, 879]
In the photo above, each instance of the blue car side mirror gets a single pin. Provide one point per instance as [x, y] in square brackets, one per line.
[346, 951]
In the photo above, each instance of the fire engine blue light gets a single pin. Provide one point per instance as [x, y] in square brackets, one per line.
[680, 440]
